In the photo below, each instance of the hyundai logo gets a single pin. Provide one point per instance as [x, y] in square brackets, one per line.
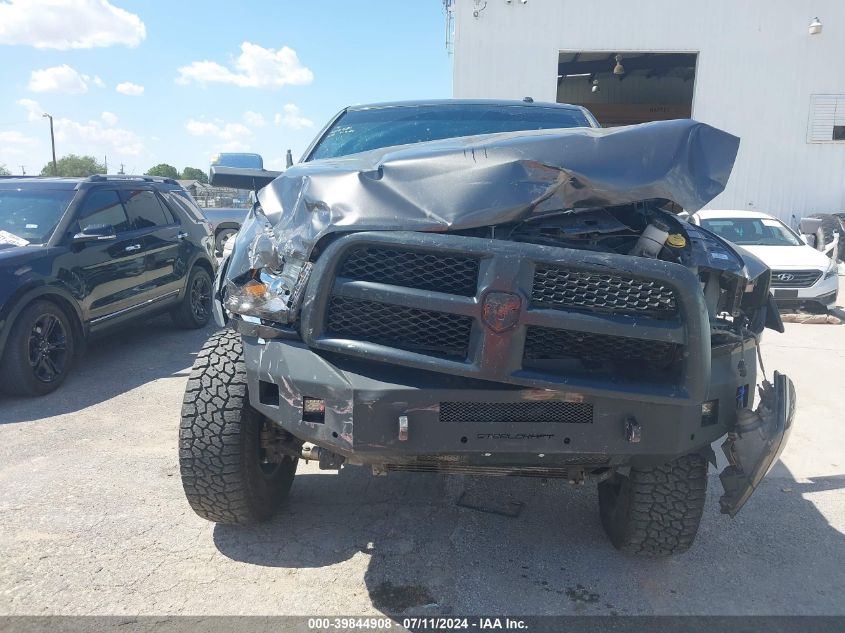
[786, 277]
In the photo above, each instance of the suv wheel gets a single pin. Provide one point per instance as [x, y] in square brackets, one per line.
[194, 311]
[224, 475]
[38, 352]
[657, 510]
[220, 239]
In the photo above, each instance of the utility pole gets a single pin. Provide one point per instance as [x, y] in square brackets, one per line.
[53, 143]
[23, 170]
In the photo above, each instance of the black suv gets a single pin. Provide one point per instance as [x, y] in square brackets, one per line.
[80, 255]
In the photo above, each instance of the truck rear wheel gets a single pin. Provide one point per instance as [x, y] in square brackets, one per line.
[225, 477]
[655, 511]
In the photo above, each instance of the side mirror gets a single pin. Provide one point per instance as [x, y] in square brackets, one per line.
[95, 233]
[240, 171]
[809, 226]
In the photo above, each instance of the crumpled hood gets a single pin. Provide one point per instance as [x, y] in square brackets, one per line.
[486, 180]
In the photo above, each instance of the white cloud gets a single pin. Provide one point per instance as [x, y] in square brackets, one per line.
[230, 137]
[254, 118]
[58, 79]
[255, 67]
[13, 137]
[91, 137]
[128, 88]
[109, 118]
[290, 117]
[64, 24]
[97, 81]
[33, 109]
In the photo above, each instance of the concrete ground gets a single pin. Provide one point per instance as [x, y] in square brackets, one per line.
[93, 519]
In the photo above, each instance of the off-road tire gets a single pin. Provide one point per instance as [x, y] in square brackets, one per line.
[655, 511]
[19, 377]
[187, 315]
[219, 448]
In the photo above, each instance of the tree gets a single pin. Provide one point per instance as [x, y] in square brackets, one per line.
[164, 170]
[4, 171]
[74, 166]
[192, 173]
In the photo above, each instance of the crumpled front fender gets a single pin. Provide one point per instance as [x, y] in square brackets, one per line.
[756, 442]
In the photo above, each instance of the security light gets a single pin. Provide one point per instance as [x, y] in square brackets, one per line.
[619, 69]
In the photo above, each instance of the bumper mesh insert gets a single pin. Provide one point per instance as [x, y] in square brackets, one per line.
[411, 329]
[508, 412]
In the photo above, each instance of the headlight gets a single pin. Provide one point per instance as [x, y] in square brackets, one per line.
[832, 269]
[270, 295]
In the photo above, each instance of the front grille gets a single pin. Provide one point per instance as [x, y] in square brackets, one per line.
[453, 274]
[794, 278]
[550, 344]
[564, 289]
[411, 329]
[509, 412]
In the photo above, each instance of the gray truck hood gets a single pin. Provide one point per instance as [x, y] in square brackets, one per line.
[475, 181]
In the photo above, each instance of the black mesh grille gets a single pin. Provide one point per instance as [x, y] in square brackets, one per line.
[543, 411]
[562, 289]
[547, 343]
[794, 278]
[402, 327]
[452, 274]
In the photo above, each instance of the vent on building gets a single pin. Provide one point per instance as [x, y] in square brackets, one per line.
[827, 119]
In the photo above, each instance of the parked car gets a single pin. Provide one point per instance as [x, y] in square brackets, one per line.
[81, 255]
[225, 222]
[496, 288]
[801, 275]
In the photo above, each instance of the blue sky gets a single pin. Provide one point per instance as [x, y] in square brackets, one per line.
[238, 76]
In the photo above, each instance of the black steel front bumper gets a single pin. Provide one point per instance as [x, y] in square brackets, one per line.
[365, 404]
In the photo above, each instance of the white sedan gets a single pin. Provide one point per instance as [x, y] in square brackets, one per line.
[801, 275]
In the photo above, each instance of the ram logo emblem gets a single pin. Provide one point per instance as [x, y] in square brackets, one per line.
[500, 310]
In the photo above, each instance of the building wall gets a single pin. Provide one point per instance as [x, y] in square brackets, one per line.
[757, 68]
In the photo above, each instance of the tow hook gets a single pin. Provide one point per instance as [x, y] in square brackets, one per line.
[756, 441]
[326, 459]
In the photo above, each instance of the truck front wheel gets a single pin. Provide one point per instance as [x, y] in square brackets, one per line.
[655, 511]
[224, 473]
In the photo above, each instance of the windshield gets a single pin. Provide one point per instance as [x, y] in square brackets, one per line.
[30, 214]
[752, 231]
[374, 128]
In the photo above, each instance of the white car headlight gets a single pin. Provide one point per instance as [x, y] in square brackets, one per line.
[832, 269]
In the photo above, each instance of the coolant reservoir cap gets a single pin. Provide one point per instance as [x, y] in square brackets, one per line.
[676, 240]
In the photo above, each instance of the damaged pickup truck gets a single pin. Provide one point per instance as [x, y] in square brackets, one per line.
[490, 288]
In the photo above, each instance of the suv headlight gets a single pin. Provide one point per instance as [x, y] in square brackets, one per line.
[832, 269]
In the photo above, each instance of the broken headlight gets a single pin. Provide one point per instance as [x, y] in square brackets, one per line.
[267, 294]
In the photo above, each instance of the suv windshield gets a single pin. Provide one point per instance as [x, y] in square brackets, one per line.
[752, 231]
[32, 214]
[374, 128]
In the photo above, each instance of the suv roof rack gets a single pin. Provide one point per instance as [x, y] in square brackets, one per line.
[106, 177]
